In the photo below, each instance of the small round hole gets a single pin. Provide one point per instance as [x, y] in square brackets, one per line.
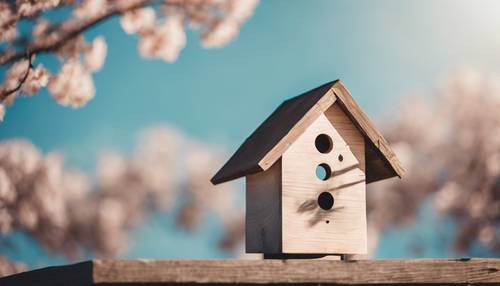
[325, 201]
[323, 143]
[323, 172]
[327, 221]
[341, 158]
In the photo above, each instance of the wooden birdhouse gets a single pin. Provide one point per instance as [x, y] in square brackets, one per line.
[306, 171]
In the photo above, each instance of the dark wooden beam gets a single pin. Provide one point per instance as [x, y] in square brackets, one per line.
[251, 272]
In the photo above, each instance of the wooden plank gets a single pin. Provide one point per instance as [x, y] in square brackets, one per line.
[263, 211]
[307, 228]
[217, 272]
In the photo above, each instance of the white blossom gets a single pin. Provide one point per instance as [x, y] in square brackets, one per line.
[95, 54]
[221, 34]
[160, 29]
[13, 78]
[8, 30]
[72, 48]
[165, 42]
[16, 73]
[90, 8]
[37, 78]
[2, 112]
[7, 192]
[41, 27]
[138, 20]
[66, 212]
[6, 221]
[73, 86]
[8, 268]
[452, 155]
[28, 8]
[241, 10]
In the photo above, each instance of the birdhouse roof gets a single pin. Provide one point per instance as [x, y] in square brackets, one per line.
[272, 138]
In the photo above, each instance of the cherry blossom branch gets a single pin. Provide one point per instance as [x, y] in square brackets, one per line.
[72, 29]
[6, 93]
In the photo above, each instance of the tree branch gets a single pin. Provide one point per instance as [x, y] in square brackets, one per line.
[6, 93]
[71, 29]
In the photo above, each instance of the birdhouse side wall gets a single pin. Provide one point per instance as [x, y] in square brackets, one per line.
[263, 211]
[310, 224]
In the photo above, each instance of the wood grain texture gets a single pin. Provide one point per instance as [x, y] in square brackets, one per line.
[307, 228]
[273, 137]
[384, 161]
[311, 115]
[219, 272]
[263, 211]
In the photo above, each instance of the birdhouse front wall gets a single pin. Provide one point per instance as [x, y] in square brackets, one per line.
[323, 188]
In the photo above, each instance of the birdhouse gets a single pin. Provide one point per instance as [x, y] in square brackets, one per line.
[306, 169]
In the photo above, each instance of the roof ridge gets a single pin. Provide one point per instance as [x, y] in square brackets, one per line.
[270, 140]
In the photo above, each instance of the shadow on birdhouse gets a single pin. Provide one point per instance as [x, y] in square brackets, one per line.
[306, 169]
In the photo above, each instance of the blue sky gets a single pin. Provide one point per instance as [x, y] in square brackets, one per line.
[383, 50]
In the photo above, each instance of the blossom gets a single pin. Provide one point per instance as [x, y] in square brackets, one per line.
[7, 192]
[2, 112]
[138, 20]
[224, 30]
[6, 221]
[90, 8]
[28, 8]
[66, 211]
[455, 136]
[95, 54]
[160, 29]
[241, 10]
[220, 34]
[37, 78]
[73, 86]
[8, 268]
[165, 42]
[13, 78]
[71, 48]
[8, 25]
[41, 27]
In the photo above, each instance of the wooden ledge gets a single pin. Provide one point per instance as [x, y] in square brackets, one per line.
[217, 272]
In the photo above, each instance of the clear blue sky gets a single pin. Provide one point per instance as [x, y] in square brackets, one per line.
[383, 50]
